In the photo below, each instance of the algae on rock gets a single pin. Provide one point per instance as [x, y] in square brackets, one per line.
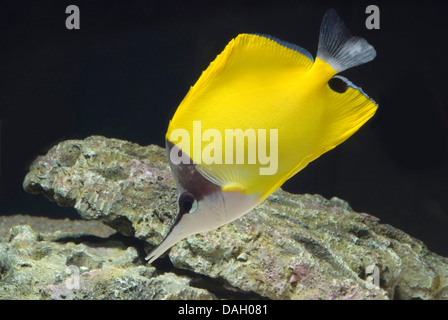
[289, 247]
[34, 268]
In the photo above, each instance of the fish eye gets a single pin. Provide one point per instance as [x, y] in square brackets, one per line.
[338, 85]
[188, 202]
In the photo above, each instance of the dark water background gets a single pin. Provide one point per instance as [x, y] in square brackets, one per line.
[124, 72]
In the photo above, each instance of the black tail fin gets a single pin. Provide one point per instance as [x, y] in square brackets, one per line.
[338, 47]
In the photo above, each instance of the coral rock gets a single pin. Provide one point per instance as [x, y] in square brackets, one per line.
[289, 247]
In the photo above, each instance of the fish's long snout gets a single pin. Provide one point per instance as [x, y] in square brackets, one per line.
[167, 243]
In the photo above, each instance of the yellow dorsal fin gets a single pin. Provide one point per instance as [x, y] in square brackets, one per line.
[258, 84]
[248, 64]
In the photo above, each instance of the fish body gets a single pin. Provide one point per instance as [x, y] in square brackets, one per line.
[286, 108]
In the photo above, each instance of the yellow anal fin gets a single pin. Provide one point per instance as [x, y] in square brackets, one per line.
[345, 112]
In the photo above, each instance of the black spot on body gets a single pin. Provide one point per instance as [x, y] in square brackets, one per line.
[338, 85]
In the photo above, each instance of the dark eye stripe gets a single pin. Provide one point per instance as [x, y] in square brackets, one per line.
[186, 200]
[187, 205]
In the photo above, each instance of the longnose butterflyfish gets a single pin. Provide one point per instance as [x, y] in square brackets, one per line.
[260, 112]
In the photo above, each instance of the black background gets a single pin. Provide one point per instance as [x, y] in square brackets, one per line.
[124, 72]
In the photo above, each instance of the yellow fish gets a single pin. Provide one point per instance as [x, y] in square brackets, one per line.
[259, 114]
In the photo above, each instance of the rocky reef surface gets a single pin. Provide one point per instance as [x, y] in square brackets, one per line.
[289, 247]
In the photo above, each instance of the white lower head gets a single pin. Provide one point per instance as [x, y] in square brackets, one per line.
[202, 206]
